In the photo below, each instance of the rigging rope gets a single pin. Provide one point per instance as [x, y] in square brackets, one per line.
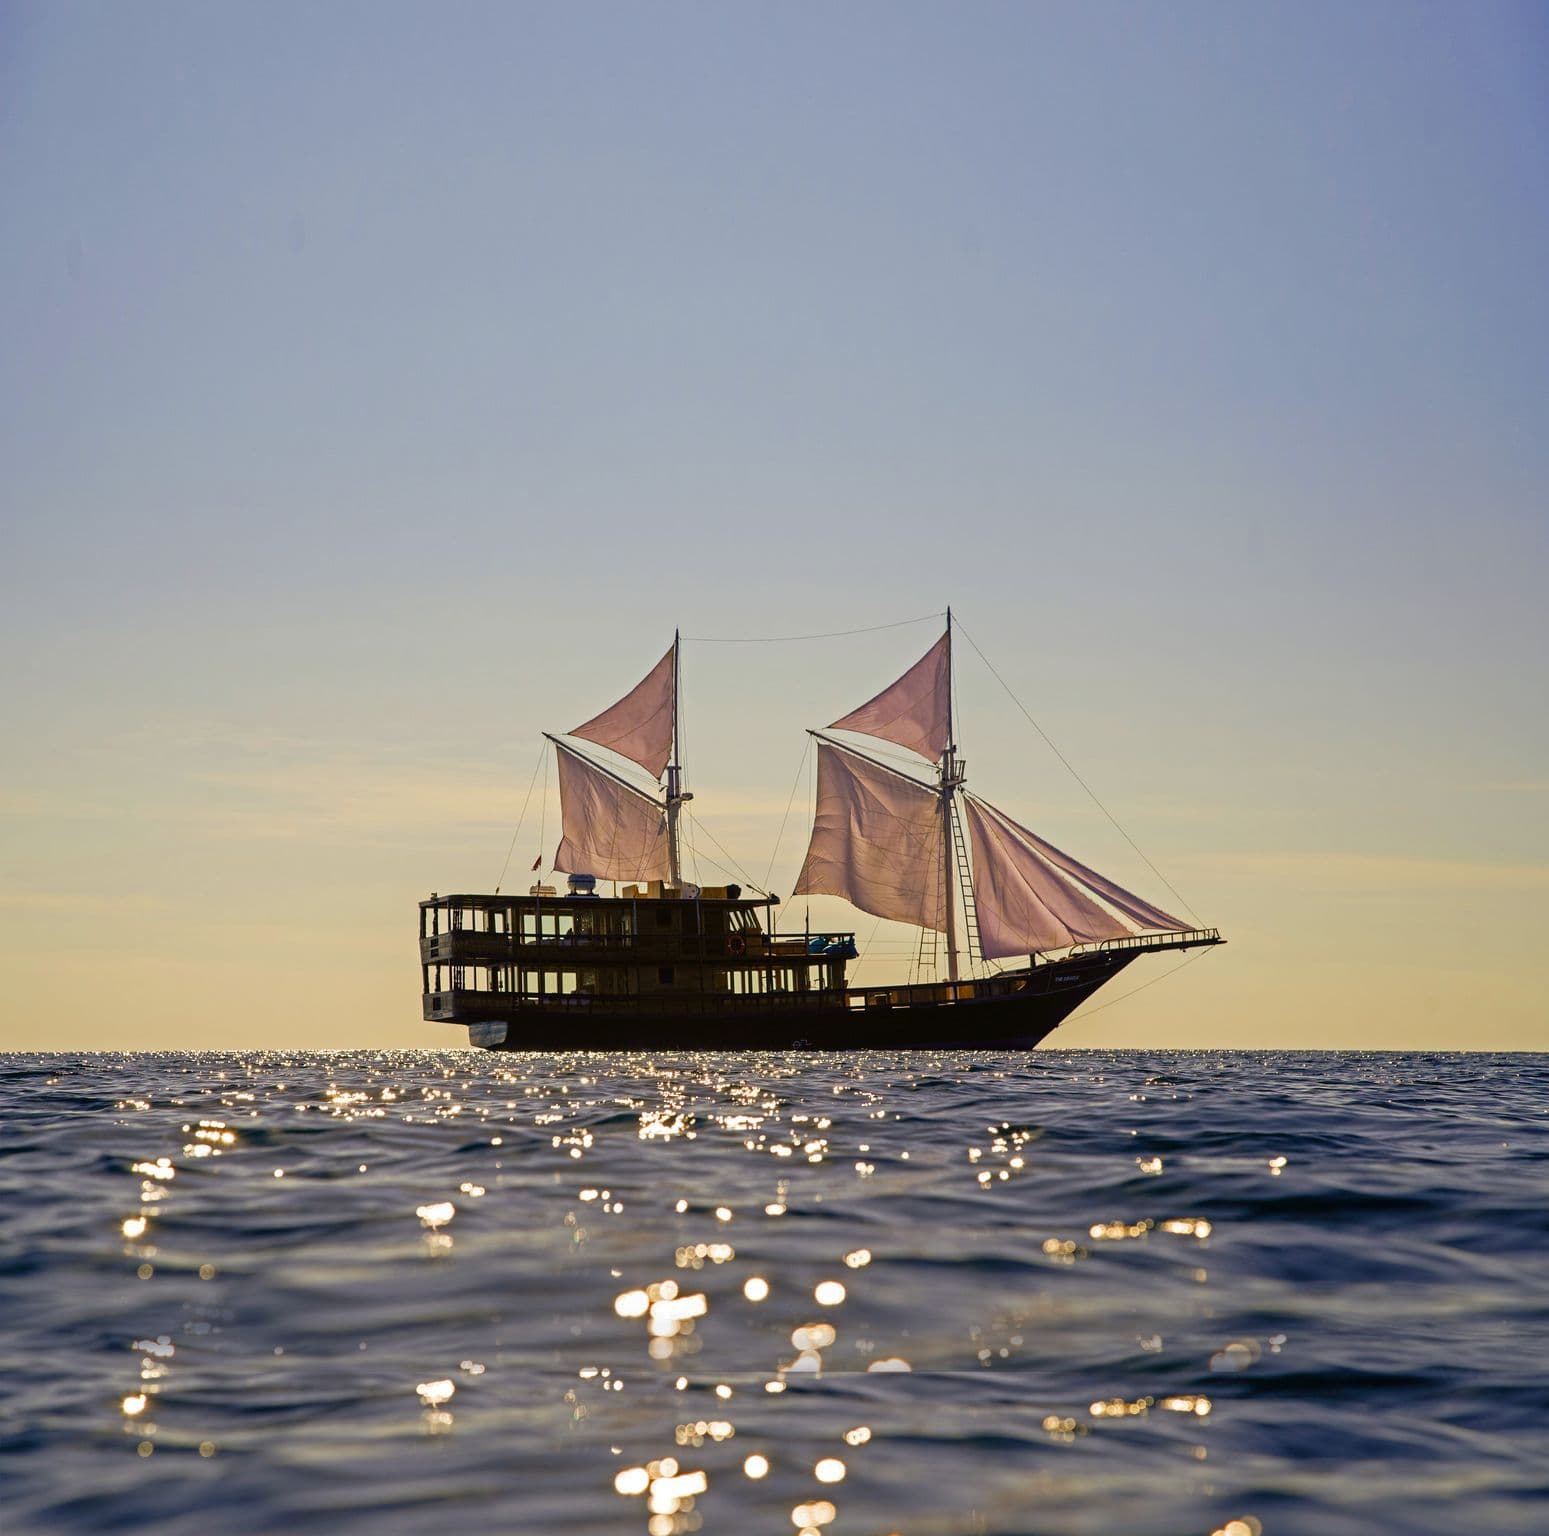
[740, 872]
[795, 785]
[523, 817]
[865, 953]
[686, 822]
[1123, 996]
[1077, 777]
[906, 764]
[832, 634]
[698, 856]
[543, 822]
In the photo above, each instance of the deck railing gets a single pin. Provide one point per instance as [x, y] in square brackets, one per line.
[924, 994]
[745, 945]
[452, 999]
[1186, 938]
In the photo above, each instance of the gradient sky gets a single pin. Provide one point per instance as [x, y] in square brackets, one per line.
[380, 385]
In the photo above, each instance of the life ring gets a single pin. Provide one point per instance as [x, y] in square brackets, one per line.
[736, 945]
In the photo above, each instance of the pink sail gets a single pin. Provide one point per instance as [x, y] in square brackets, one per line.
[876, 841]
[1030, 897]
[639, 726]
[915, 711]
[610, 830]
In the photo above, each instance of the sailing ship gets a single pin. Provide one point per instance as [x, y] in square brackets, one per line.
[1029, 933]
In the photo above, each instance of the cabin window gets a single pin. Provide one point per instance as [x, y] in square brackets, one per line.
[664, 975]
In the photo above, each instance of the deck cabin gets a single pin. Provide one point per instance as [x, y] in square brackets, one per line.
[650, 950]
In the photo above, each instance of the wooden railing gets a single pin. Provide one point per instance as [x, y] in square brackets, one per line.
[740, 948]
[1188, 938]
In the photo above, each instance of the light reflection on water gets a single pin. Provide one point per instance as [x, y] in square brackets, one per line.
[925, 1294]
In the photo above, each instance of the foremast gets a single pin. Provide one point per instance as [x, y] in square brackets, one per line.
[674, 795]
[612, 828]
[951, 780]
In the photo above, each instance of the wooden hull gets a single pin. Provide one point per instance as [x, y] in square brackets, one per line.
[1014, 1012]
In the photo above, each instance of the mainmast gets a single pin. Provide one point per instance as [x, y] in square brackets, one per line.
[675, 794]
[876, 828]
[951, 782]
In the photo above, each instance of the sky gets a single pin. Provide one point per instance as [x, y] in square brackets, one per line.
[382, 384]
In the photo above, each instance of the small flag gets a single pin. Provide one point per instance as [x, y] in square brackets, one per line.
[537, 861]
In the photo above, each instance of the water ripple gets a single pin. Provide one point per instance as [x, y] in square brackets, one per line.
[927, 1293]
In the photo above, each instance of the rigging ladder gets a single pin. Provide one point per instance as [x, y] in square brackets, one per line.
[927, 956]
[965, 886]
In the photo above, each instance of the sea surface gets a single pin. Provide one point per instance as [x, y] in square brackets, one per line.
[932, 1293]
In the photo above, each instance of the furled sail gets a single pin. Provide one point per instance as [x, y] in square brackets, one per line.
[639, 726]
[876, 840]
[611, 830]
[1029, 897]
[914, 712]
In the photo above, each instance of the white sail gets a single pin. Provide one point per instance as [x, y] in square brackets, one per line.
[1029, 897]
[639, 726]
[610, 829]
[914, 712]
[876, 841]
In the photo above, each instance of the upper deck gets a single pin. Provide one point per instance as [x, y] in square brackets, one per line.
[648, 946]
[643, 923]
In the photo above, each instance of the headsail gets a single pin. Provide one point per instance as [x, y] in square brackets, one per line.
[1031, 897]
[876, 840]
[639, 726]
[914, 712]
[611, 829]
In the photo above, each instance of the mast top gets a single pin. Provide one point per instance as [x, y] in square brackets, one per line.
[642, 726]
[677, 677]
[915, 711]
[951, 691]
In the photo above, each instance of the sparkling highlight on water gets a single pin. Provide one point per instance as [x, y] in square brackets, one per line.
[669, 1329]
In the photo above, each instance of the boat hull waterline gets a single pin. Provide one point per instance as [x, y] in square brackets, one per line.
[1015, 1021]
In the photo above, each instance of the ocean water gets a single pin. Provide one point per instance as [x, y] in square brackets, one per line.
[934, 1293]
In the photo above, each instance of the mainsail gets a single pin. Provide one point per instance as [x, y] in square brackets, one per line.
[640, 725]
[876, 840]
[914, 712]
[610, 829]
[1031, 897]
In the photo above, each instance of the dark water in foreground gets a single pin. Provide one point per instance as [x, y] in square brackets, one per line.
[1133, 1292]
